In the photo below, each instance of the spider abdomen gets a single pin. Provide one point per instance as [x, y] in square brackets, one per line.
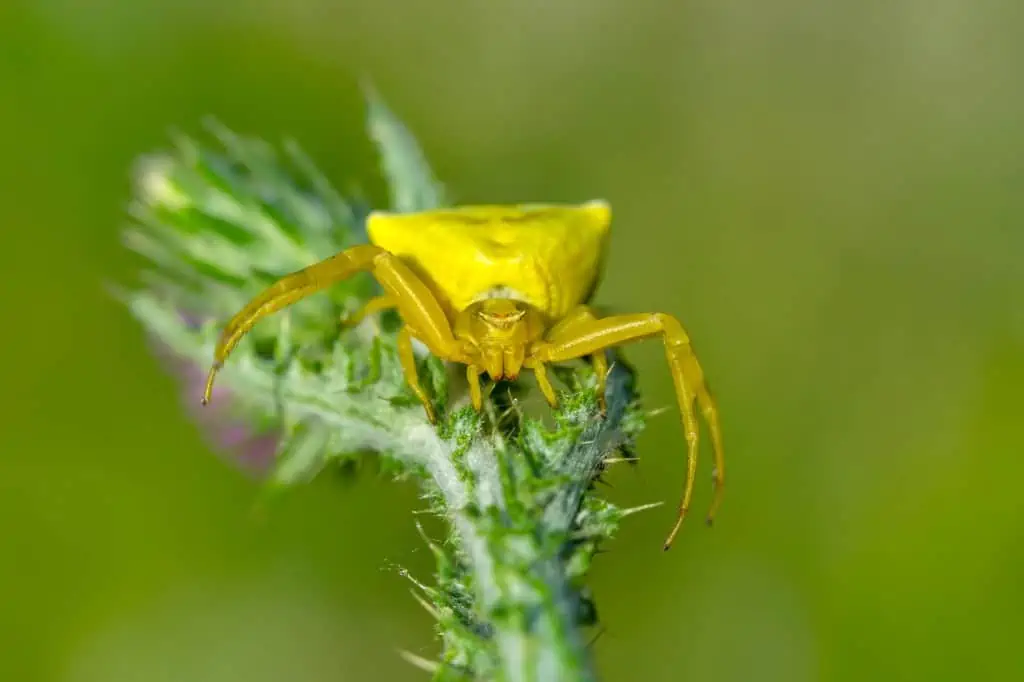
[547, 255]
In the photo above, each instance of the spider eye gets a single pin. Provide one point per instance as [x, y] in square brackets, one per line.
[504, 318]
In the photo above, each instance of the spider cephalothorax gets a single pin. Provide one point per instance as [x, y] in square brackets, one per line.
[498, 289]
[499, 332]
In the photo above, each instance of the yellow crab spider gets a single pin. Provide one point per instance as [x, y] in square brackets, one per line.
[499, 289]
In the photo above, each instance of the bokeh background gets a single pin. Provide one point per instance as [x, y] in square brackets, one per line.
[828, 194]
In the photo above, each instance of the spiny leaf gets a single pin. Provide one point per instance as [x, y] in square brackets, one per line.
[411, 181]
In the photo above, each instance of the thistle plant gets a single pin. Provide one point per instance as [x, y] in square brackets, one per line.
[217, 220]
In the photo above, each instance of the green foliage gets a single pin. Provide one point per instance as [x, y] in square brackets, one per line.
[219, 221]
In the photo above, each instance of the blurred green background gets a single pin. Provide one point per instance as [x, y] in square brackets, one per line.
[828, 194]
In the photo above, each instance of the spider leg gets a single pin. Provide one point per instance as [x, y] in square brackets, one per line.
[418, 307]
[373, 306]
[415, 302]
[581, 313]
[408, 361]
[585, 338]
[578, 314]
[283, 293]
[540, 371]
[563, 329]
[475, 394]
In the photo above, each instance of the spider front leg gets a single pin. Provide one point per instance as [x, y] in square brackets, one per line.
[589, 337]
[564, 329]
[424, 320]
[408, 361]
[371, 307]
[284, 292]
[416, 304]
